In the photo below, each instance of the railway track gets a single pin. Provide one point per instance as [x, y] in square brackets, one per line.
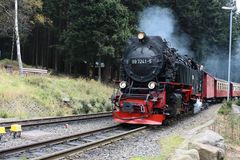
[52, 120]
[64, 146]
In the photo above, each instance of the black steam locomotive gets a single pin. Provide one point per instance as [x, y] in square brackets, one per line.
[155, 82]
[150, 59]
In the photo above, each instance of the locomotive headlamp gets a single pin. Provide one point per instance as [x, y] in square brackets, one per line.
[141, 35]
[152, 85]
[123, 84]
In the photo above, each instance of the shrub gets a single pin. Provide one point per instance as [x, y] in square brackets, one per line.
[226, 108]
[238, 102]
[4, 114]
[108, 106]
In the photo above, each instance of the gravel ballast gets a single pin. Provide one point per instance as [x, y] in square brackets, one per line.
[58, 130]
[141, 144]
[147, 143]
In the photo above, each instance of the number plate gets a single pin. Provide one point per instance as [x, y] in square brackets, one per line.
[141, 61]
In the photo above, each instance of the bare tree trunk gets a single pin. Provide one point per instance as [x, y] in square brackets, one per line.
[18, 39]
[37, 48]
[13, 44]
[56, 61]
[99, 69]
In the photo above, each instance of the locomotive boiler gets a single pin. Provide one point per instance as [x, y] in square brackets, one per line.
[156, 83]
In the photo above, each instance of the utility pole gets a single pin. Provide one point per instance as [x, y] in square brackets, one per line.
[18, 39]
[231, 9]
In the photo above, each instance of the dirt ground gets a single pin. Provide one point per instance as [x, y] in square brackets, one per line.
[232, 152]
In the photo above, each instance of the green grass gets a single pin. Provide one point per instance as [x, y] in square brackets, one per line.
[167, 146]
[226, 108]
[34, 95]
[14, 64]
[228, 126]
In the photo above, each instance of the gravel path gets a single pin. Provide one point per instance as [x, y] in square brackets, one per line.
[146, 143]
[57, 130]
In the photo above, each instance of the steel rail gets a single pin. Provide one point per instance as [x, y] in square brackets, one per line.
[81, 147]
[90, 145]
[52, 120]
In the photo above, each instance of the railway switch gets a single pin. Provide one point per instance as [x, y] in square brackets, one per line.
[2, 131]
[16, 129]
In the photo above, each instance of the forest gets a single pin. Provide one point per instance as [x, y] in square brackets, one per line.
[73, 37]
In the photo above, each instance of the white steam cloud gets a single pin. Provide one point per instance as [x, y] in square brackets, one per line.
[217, 64]
[157, 21]
[235, 70]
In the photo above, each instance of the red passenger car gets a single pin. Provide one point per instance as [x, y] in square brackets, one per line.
[235, 89]
[208, 86]
[221, 88]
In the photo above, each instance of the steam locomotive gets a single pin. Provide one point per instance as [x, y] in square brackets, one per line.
[158, 84]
